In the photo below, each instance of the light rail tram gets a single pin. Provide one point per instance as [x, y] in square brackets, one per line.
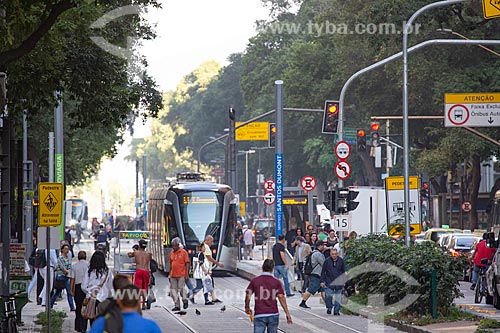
[191, 208]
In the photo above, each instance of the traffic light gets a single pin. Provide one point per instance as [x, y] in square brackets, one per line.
[424, 191]
[232, 113]
[272, 135]
[330, 117]
[360, 140]
[351, 204]
[330, 200]
[375, 135]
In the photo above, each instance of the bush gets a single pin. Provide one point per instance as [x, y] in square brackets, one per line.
[56, 321]
[418, 261]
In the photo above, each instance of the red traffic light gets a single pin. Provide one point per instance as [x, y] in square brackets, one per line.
[361, 132]
[375, 126]
[425, 186]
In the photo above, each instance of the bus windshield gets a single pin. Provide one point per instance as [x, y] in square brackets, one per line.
[201, 213]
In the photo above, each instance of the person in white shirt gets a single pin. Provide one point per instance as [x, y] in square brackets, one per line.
[98, 274]
[249, 241]
[43, 273]
[78, 272]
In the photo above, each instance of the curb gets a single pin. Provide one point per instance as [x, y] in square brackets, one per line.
[406, 327]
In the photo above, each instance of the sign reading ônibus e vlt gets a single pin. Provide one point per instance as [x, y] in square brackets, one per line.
[50, 196]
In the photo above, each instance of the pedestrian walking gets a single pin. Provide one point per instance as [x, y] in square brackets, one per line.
[200, 271]
[78, 270]
[52, 263]
[129, 303]
[317, 260]
[207, 252]
[281, 263]
[332, 279]
[99, 280]
[249, 241]
[302, 251]
[142, 274]
[62, 273]
[266, 289]
[179, 268]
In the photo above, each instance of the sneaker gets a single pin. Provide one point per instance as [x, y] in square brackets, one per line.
[336, 313]
[192, 299]
[176, 309]
[473, 286]
[304, 305]
[185, 304]
[328, 311]
[209, 303]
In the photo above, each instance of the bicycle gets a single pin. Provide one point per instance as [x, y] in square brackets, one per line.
[9, 318]
[480, 289]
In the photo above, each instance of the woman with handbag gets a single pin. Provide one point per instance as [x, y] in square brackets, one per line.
[97, 285]
[61, 281]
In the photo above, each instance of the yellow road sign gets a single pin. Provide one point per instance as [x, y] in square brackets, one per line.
[51, 202]
[397, 183]
[256, 131]
[399, 229]
[491, 8]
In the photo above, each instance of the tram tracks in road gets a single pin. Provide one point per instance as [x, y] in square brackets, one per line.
[241, 310]
[179, 320]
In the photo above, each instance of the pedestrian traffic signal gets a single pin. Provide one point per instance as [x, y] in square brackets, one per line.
[330, 201]
[351, 204]
[375, 135]
[330, 117]
[272, 135]
[360, 140]
[232, 113]
[424, 191]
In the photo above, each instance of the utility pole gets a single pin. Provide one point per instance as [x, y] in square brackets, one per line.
[279, 164]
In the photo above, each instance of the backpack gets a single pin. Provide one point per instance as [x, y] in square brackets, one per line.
[40, 259]
[308, 267]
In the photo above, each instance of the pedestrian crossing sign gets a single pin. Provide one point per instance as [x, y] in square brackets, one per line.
[51, 200]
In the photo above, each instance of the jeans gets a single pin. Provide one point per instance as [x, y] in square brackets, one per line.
[68, 294]
[270, 323]
[80, 322]
[330, 291]
[281, 271]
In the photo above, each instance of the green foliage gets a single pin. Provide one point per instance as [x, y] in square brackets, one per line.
[489, 323]
[418, 261]
[56, 321]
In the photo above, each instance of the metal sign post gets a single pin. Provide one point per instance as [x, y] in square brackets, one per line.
[279, 167]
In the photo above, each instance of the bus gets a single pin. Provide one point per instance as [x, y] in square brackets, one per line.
[191, 208]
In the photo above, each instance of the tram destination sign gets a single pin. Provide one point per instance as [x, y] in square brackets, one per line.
[472, 109]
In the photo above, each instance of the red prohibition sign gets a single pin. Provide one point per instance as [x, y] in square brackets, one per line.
[458, 114]
[342, 170]
[308, 183]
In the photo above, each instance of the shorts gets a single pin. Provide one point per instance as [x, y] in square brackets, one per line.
[314, 285]
[141, 279]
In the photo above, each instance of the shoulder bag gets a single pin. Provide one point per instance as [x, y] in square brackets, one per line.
[89, 309]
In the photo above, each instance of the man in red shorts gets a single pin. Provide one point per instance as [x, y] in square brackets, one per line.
[142, 274]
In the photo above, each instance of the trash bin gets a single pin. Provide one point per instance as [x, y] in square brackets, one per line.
[21, 301]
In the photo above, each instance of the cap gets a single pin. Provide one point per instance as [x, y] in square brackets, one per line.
[319, 243]
[143, 243]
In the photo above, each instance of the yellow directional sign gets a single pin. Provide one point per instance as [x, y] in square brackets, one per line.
[256, 131]
[398, 183]
[51, 202]
[491, 8]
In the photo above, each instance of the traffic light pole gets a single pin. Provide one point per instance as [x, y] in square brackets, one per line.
[405, 117]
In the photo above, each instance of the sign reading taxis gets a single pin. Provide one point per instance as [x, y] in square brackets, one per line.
[256, 131]
[50, 204]
[491, 9]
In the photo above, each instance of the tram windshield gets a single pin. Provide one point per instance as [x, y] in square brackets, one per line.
[201, 215]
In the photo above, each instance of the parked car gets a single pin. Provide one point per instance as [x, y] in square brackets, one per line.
[263, 229]
[434, 233]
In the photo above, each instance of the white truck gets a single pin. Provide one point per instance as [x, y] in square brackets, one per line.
[371, 214]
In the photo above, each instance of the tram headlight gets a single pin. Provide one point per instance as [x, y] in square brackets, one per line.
[214, 251]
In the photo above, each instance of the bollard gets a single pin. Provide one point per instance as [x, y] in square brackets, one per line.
[434, 293]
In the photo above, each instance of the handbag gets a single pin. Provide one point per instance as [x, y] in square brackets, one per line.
[60, 282]
[207, 284]
[89, 308]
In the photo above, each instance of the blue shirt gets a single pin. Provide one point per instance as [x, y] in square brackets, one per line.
[131, 322]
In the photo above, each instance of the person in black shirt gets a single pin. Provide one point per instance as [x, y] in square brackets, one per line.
[281, 264]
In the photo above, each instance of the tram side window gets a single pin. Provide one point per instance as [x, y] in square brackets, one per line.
[171, 227]
[231, 222]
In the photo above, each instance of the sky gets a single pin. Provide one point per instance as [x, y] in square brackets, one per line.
[189, 32]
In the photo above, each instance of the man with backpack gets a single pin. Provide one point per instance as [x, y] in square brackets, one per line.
[313, 267]
[281, 263]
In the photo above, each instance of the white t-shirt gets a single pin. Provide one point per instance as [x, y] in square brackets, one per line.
[248, 237]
